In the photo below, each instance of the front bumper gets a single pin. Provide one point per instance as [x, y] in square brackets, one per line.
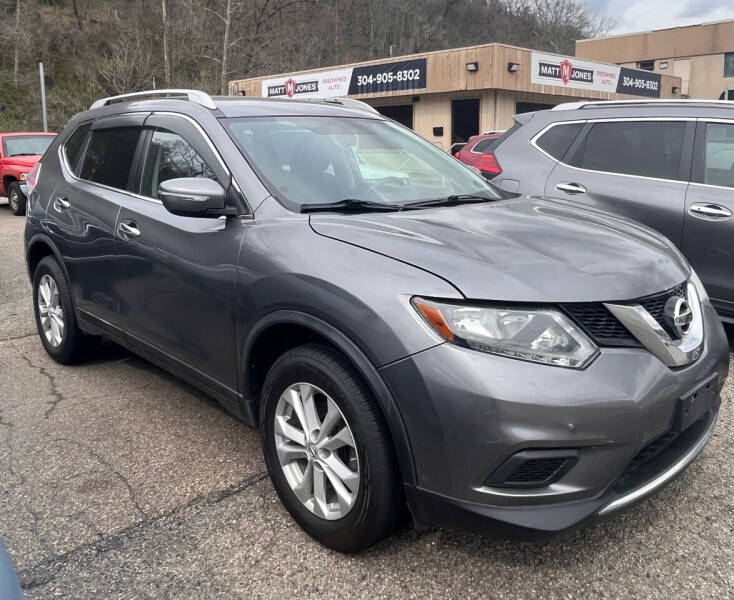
[466, 413]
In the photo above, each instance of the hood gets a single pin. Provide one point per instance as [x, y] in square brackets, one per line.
[23, 161]
[524, 250]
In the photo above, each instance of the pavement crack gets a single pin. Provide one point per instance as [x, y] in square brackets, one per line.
[48, 570]
[51, 378]
[18, 337]
[121, 477]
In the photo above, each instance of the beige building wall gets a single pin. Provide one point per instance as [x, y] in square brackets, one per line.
[695, 53]
[447, 79]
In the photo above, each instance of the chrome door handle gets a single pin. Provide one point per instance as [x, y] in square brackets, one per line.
[705, 210]
[128, 230]
[61, 204]
[571, 188]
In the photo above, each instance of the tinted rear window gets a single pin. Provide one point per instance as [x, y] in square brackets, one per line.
[649, 149]
[73, 147]
[557, 140]
[109, 156]
[486, 146]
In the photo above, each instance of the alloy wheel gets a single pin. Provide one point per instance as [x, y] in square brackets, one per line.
[50, 311]
[316, 451]
[13, 200]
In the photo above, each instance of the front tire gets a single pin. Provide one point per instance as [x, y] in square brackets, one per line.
[56, 322]
[328, 450]
[16, 199]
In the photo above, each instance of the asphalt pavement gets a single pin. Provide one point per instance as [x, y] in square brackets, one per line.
[118, 480]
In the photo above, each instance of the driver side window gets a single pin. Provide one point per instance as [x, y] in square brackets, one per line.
[171, 157]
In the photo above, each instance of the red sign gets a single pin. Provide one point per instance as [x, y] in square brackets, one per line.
[290, 87]
[566, 69]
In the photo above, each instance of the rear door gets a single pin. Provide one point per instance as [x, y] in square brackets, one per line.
[83, 209]
[638, 168]
[708, 241]
[176, 275]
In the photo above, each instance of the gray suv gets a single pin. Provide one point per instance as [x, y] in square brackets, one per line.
[666, 163]
[401, 332]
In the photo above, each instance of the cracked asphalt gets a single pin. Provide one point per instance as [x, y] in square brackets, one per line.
[118, 480]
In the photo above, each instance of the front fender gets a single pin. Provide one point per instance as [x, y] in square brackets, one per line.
[360, 361]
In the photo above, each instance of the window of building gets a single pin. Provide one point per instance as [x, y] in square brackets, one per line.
[729, 64]
[73, 147]
[171, 157]
[646, 65]
[648, 149]
[109, 156]
[719, 154]
[557, 140]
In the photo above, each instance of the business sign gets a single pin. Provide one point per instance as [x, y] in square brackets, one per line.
[389, 77]
[327, 84]
[571, 72]
[639, 83]
[386, 77]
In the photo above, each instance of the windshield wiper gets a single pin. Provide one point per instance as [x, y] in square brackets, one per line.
[23, 154]
[350, 205]
[454, 200]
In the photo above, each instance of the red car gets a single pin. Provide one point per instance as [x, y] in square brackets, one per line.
[19, 153]
[479, 152]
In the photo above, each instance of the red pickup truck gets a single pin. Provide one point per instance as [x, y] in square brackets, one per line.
[19, 152]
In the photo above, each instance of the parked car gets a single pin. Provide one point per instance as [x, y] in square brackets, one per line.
[506, 364]
[19, 152]
[666, 163]
[478, 152]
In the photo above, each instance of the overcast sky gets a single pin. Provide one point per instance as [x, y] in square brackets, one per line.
[642, 15]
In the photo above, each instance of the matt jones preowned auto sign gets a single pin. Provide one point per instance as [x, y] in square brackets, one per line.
[571, 72]
[368, 79]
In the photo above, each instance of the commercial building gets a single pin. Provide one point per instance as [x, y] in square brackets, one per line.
[448, 95]
[701, 55]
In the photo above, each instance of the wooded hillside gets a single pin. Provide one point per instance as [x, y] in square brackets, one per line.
[94, 48]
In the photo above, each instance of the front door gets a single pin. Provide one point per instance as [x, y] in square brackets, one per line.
[176, 275]
[635, 168]
[709, 228]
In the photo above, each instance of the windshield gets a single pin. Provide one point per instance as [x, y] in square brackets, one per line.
[26, 145]
[307, 160]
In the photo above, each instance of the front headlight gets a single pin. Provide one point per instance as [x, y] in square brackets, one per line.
[539, 335]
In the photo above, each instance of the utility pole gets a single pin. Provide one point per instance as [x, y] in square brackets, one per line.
[43, 96]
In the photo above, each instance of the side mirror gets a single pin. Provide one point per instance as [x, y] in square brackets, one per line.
[193, 197]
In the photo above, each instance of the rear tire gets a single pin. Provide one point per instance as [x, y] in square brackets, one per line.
[353, 499]
[53, 307]
[16, 199]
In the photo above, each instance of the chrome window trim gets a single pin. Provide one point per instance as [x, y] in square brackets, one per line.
[609, 120]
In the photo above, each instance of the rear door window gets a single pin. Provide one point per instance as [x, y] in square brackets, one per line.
[557, 140]
[719, 154]
[644, 148]
[109, 156]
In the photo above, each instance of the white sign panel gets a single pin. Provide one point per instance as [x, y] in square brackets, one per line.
[571, 72]
[327, 84]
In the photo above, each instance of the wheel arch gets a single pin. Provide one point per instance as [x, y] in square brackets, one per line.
[40, 246]
[304, 328]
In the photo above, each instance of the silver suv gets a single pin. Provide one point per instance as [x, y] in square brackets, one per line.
[666, 163]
